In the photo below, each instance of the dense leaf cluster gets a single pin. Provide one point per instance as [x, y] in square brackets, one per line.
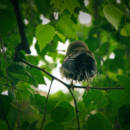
[108, 37]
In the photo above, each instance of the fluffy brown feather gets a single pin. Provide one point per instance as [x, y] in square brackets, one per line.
[79, 63]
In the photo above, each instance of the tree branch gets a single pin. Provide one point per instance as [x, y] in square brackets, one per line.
[24, 44]
[67, 85]
[69, 88]
[99, 88]
[76, 109]
[45, 106]
[43, 70]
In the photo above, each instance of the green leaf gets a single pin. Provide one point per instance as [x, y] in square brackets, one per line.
[4, 105]
[44, 34]
[98, 122]
[118, 99]
[62, 5]
[104, 49]
[68, 107]
[7, 21]
[36, 77]
[3, 65]
[3, 125]
[71, 5]
[43, 6]
[58, 4]
[57, 96]
[32, 126]
[38, 101]
[37, 48]
[33, 59]
[26, 111]
[62, 114]
[61, 36]
[124, 81]
[114, 64]
[94, 99]
[113, 15]
[66, 26]
[17, 72]
[124, 116]
[125, 31]
[12, 117]
[3, 84]
[64, 111]
[23, 91]
[93, 43]
[51, 125]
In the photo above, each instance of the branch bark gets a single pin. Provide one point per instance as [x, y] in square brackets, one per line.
[24, 44]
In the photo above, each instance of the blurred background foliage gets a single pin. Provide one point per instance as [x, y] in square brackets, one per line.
[107, 36]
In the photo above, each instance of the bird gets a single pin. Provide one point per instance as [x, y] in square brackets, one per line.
[79, 63]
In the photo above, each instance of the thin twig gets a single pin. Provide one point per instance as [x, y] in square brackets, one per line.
[100, 88]
[76, 109]
[45, 106]
[67, 85]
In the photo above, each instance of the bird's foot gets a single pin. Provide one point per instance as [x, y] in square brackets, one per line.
[72, 86]
[87, 88]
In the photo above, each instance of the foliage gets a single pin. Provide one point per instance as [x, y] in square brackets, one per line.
[108, 37]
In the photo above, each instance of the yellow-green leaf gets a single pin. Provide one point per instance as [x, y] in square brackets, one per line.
[44, 35]
[113, 15]
[125, 31]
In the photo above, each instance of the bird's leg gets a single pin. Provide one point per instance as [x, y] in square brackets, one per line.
[71, 84]
[87, 87]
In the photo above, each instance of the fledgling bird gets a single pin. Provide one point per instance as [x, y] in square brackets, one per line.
[79, 63]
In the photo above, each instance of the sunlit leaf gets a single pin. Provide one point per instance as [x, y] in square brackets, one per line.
[125, 31]
[113, 15]
[44, 35]
[67, 27]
